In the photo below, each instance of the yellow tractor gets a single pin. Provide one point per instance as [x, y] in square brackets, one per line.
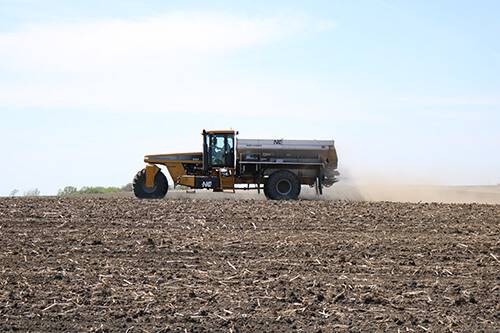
[278, 167]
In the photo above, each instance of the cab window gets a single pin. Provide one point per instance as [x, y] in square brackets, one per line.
[222, 150]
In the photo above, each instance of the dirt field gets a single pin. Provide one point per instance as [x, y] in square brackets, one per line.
[181, 265]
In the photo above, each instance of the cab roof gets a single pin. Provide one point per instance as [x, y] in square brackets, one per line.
[221, 131]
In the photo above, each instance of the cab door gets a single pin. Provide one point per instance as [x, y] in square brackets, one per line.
[221, 150]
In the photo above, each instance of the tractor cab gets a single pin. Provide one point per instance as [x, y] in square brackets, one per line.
[219, 149]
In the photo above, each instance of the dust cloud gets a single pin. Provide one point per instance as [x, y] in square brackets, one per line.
[397, 190]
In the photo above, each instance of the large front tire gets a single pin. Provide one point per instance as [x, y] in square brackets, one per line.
[283, 185]
[158, 191]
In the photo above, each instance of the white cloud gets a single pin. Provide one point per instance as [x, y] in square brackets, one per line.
[115, 43]
[172, 62]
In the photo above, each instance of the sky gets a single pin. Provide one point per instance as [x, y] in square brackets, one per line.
[409, 90]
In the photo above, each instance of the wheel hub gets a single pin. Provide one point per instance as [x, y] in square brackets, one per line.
[284, 187]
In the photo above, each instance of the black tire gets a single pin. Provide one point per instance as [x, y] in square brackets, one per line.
[282, 185]
[158, 191]
[266, 193]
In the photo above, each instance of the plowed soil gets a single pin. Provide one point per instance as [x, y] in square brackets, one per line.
[188, 265]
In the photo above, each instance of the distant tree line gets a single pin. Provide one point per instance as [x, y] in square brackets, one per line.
[30, 193]
[72, 190]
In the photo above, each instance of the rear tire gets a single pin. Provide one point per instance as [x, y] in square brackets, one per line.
[282, 185]
[266, 193]
[158, 191]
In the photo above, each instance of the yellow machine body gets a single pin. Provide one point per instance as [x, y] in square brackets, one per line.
[176, 163]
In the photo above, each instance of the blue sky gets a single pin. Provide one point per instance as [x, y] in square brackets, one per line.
[410, 90]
